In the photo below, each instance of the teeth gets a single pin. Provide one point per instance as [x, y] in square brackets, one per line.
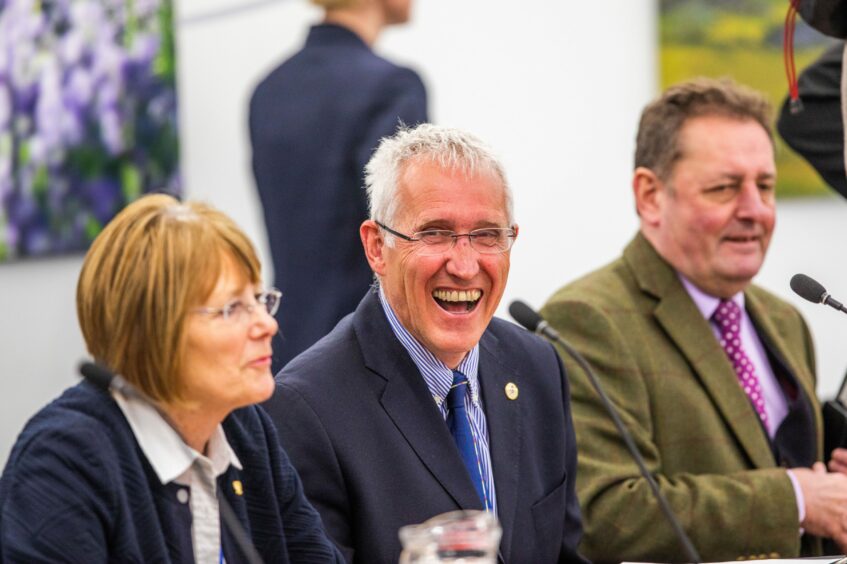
[457, 295]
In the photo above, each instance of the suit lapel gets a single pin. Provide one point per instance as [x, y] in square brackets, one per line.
[503, 417]
[677, 314]
[407, 401]
[773, 330]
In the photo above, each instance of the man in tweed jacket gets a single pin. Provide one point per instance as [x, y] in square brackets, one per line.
[718, 433]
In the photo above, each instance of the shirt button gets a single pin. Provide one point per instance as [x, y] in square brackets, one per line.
[182, 495]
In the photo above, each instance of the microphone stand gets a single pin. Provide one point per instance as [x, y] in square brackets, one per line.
[104, 379]
[530, 319]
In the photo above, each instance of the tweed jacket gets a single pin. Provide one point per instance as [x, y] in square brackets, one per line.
[679, 396]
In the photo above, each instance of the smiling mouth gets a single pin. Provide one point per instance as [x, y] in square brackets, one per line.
[457, 301]
[743, 239]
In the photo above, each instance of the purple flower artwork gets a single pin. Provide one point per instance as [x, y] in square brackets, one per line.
[88, 117]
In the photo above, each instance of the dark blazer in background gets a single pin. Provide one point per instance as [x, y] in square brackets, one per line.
[677, 392]
[374, 452]
[314, 122]
[817, 132]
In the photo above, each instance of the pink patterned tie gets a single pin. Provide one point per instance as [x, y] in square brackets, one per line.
[728, 318]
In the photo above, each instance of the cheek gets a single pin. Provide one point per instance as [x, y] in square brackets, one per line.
[496, 268]
[703, 227]
[769, 220]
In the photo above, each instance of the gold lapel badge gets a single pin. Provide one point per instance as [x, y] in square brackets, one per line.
[512, 391]
[237, 487]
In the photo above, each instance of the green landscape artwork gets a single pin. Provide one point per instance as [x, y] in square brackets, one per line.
[742, 39]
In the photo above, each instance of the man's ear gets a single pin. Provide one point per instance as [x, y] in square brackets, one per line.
[374, 243]
[648, 192]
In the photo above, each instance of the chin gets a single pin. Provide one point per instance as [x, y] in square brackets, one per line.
[458, 343]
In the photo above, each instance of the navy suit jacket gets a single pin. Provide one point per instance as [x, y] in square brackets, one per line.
[374, 452]
[314, 122]
[78, 488]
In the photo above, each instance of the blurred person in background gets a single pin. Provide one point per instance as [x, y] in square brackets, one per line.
[314, 122]
[169, 297]
[815, 127]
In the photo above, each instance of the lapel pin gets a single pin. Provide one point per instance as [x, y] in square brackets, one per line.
[512, 391]
[237, 487]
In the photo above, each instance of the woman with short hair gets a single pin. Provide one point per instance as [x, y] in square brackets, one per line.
[169, 297]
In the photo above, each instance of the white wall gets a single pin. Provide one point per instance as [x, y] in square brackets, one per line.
[557, 95]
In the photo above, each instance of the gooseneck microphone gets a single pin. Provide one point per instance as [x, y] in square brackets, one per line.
[107, 380]
[532, 321]
[810, 289]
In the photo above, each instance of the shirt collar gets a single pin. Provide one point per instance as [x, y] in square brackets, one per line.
[437, 375]
[706, 303]
[169, 456]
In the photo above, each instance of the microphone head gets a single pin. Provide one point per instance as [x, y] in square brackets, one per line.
[524, 315]
[808, 288]
[96, 374]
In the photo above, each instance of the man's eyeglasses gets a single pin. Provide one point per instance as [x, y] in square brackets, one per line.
[487, 241]
[238, 311]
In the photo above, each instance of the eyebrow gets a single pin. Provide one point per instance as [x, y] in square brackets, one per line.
[739, 177]
[436, 223]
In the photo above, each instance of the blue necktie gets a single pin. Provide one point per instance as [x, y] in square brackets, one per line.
[460, 428]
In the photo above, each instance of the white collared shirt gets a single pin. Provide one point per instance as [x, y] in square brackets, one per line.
[175, 461]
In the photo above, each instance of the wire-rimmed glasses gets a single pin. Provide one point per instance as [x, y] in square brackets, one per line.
[237, 310]
[487, 240]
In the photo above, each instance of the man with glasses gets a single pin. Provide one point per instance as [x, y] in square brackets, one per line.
[420, 403]
[713, 375]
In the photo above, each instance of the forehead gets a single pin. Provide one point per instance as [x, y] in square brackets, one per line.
[723, 144]
[232, 277]
[429, 191]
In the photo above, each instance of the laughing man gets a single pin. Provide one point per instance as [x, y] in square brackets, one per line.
[420, 402]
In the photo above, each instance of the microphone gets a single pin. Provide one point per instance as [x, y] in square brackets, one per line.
[107, 380]
[532, 321]
[812, 290]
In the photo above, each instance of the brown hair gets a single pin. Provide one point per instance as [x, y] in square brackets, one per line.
[333, 4]
[154, 262]
[657, 143]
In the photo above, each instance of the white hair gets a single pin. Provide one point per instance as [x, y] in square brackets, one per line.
[450, 148]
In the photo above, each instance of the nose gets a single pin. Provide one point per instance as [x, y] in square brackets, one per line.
[753, 203]
[463, 260]
[263, 324]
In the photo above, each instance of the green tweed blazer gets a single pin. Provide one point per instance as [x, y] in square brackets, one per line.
[678, 394]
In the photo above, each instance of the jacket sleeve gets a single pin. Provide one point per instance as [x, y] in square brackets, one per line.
[55, 501]
[305, 537]
[572, 534]
[304, 439]
[751, 508]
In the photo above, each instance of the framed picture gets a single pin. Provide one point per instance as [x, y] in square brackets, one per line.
[88, 117]
[742, 39]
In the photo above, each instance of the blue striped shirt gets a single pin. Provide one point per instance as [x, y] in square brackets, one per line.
[439, 378]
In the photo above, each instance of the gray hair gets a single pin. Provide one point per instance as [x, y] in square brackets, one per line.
[450, 148]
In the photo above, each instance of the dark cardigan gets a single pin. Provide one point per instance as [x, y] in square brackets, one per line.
[78, 488]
